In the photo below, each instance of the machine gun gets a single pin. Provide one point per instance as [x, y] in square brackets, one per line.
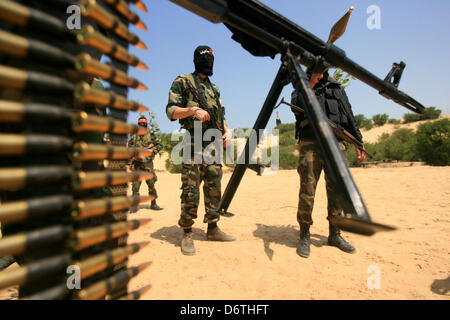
[264, 32]
[213, 113]
[339, 131]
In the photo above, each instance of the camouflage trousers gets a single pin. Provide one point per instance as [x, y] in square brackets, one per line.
[192, 176]
[309, 168]
[145, 166]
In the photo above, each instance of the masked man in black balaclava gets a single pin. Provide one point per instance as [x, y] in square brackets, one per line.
[193, 97]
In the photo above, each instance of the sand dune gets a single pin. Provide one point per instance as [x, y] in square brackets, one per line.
[375, 133]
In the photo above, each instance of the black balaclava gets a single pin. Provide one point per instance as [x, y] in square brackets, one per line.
[204, 60]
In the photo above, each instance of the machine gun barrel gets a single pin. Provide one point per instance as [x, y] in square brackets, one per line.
[251, 19]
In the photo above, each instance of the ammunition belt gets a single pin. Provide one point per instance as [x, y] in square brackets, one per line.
[63, 178]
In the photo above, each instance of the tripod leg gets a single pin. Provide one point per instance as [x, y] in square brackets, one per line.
[260, 123]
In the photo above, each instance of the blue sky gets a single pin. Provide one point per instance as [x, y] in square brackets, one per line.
[416, 32]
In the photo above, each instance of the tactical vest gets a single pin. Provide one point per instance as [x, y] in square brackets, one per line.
[211, 99]
[333, 103]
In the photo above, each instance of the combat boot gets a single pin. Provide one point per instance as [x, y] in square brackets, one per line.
[216, 234]
[154, 206]
[303, 248]
[335, 239]
[187, 244]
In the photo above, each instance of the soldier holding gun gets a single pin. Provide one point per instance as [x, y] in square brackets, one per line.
[148, 141]
[337, 108]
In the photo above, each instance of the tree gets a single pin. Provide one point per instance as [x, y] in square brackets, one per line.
[380, 119]
[433, 145]
[152, 124]
[360, 120]
[430, 113]
[394, 121]
[400, 145]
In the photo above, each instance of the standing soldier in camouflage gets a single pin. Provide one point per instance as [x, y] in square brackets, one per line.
[148, 141]
[337, 108]
[184, 105]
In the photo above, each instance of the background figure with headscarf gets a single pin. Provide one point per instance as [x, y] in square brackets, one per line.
[147, 141]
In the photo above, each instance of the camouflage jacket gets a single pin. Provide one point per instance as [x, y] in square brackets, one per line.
[143, 142]
[181, 96]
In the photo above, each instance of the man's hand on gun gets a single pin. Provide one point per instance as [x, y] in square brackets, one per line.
[361, 155]
[226, 138]
[201, 114]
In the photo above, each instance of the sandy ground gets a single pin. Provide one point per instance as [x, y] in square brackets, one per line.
[412, 262]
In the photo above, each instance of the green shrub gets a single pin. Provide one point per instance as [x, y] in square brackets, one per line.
[433, 145]
[411, 117]
[361, 120]
[400, 145]
[287, 139]
[394, 121]
[368, 125]
[430, 113]
[286, 128]
[241, 132]
[380, 119]
[352, 158]
[173, 168]
[288, 160]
